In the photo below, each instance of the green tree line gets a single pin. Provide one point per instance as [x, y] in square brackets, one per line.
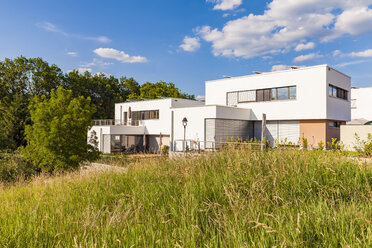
[22, 79]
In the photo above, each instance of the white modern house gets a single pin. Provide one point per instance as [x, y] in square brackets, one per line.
[361, 103]
[302, 102]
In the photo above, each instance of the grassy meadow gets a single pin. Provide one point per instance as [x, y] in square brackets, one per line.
[234, 198]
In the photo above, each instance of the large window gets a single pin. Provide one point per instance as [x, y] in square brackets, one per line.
[337, 92]
[145, 115]
[261, 95]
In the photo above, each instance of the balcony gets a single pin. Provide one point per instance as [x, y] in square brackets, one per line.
[112, 122]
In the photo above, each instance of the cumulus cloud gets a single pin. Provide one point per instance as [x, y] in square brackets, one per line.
[190, 44]
[284, 23]
[200, 98]
[50, 27]
[225, 4]
[121, 56]
[279, 67]
[336, 53]
[83, 70]
[307, 57]
[72, 54]
[366, 53]
[305, 46]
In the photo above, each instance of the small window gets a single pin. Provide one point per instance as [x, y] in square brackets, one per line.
[267, 95]
[353, 103]
[282, 93]
[335, 124]
[292, 92]
[260, 95]
[273, 94]
[247, 96]
[232, 98]
[117, 137]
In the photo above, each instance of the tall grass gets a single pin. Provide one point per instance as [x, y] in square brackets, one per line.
[230, 199]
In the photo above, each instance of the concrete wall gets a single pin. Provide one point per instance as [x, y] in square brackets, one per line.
[162, 125]
[363, 103]
[196, 116]
[312, 94]
[338, 109]
[348, 134]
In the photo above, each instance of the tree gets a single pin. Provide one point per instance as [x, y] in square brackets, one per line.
[103, 90]
[20, 79]
[157, 90]
[57, 140]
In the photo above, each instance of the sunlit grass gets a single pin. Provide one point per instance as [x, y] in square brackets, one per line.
[229, 199]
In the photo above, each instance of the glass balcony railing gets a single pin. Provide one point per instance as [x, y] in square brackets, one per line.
[113, 122]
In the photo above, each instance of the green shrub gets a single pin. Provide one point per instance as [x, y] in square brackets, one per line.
[14, 167]
[57, 139]
[334, 145]
[364, 147]
[321, 145]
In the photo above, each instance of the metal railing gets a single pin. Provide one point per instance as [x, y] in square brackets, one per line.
[116, 122]
[192, 145]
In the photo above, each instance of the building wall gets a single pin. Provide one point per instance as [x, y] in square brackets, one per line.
[314, 131]
[196, 116]
[312, 94]
[338, 109]
[362, 99]
[348, 134]
[162, 125]
[310, 84]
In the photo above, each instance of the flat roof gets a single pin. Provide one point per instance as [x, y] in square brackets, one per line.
[159, 99]
[273, 72]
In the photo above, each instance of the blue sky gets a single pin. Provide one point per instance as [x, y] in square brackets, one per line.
[190, 41]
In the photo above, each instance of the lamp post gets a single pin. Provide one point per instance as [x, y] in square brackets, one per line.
[184, 123]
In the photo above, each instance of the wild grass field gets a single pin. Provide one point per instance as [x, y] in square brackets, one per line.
[234, 198]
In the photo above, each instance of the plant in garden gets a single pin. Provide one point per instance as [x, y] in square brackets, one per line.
[364, 147]
[57, 139]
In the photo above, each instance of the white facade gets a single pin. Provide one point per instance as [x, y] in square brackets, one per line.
[298, 103]
[312, 100]
[361, 103]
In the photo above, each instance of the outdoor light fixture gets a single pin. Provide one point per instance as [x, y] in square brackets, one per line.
[184, 123]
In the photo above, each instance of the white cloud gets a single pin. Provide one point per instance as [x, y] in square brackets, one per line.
[351, 63]
[121, 56]
[83, 70]
[365, 54]
[96, 62]
[226, 4]
[307, 57]
[200, 98]
[73, 54]
[284, 23]
[279, 67]
[305, 46]
[50, 27]
[337, 53]
[190, 44]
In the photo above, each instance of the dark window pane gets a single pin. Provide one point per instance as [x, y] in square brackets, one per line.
[292, 92]
[260, 95]
[282, 93]
[330, 90]
[267, 95]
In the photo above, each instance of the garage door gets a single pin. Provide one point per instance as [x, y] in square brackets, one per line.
[289, 130]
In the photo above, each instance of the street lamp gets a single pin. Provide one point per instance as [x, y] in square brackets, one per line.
[184, 123]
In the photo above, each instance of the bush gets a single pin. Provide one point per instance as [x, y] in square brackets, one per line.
[14, 167]
[57, 139]
[364, 147]
[334, 145]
